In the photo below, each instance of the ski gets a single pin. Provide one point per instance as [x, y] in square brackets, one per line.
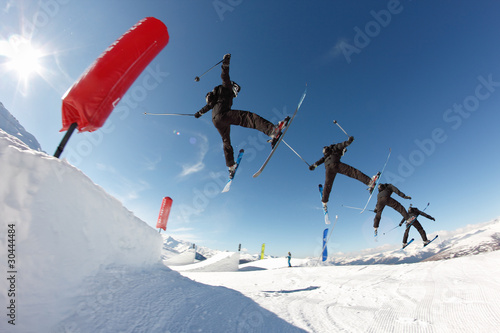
[377, 181]
[325, 209]
[281, 136]
[432, 240]
[230, 180]
[411, 240]
[330, 235]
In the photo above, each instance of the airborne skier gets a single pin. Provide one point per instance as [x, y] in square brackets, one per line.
[331, 158]
[415, 212]
[384, 199]
[220, 99]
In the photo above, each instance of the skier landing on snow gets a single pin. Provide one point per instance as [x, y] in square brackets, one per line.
[415, 212]
[384, 199]
[331, 158]
[220, 100]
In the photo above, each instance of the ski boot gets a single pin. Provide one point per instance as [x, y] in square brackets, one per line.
[373, 181]
[277, 131]
[232, 170]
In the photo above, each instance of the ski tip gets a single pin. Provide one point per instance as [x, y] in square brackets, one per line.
[242, 150]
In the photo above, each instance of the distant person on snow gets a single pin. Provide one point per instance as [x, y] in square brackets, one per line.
[331, 158]
[289, 257]
[220, 99]
[384, 199]
[415, 212]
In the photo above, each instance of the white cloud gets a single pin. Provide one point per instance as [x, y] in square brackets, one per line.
[149, 164]
[188, 169]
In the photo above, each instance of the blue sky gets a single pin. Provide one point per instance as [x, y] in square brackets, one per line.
[419, 77]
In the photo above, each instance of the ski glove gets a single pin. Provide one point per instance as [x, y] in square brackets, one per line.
[433, 219]
[351, 139]
[197, 115]
[312, 167]
[407, 197]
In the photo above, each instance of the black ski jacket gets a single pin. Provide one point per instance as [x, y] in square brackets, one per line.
[387, 190]
[333, 153]
[413, 211]
[224, 94]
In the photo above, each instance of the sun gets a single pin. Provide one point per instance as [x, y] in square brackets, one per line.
[22, 57]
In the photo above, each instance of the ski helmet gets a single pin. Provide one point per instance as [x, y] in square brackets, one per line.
[210, 97]
[236, 88]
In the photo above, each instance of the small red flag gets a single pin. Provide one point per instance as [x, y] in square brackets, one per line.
[166, 204]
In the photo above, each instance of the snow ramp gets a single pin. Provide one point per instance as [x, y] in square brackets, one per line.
[221, 262]
[184, 258]
[81, 262]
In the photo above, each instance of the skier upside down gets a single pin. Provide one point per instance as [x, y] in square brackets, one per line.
[220, 101]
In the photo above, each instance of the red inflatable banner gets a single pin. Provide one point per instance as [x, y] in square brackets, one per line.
[93, 96]
[166, 204]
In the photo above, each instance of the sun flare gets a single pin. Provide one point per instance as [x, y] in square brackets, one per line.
[23, 57]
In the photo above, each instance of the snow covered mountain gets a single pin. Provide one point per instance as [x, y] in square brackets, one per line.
[10, 125]
[471, 240]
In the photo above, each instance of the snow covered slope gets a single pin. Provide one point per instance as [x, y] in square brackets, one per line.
[65, 230]
[81, 262]
[10, 125]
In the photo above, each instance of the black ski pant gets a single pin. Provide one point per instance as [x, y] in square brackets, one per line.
[224, 120]
[419, 228]
[331, 171]
[388, 201]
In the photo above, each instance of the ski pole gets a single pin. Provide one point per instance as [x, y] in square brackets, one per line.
[169, 114]
[357, 208]
[295, 152]
[392, 229]
[197, 78]
[335, 122]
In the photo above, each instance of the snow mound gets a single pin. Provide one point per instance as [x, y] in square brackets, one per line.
[81, 262]
[184, 258]
[221, 262]
[66, 228]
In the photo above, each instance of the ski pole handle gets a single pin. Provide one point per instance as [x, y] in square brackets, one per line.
[336, 123]
[197, 78]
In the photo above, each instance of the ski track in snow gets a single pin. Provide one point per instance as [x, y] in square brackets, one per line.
[457, 295]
